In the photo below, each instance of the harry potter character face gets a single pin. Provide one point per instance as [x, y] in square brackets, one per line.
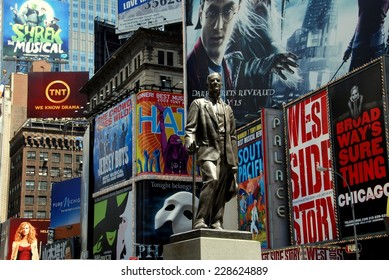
[217, 18]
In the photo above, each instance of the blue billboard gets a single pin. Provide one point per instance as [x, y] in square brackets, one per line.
[65, 203]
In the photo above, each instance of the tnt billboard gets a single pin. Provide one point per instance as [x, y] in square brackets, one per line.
[38, 29]
[56, 94]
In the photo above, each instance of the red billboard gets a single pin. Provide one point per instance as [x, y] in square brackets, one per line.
[360, 150]
[311, 193]
[56, 94]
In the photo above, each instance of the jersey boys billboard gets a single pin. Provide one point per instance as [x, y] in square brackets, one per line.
[56, 94]
[112, 156]
[36, 29]
[312, 195]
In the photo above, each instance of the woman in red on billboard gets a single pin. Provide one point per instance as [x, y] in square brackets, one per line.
[25, 245]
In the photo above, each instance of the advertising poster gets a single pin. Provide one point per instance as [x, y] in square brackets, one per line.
[311, 192]
[251, 182]
[56, 94]
[63, 249]
[36, 29]
[65, 203]
[112, 156]
[8, 230]
[163, 208]
[271, 52]
[360, 150]
[112, 226]
[160, 134]
[133, 14]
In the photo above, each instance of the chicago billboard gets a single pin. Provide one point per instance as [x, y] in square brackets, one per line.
[360, 155]
[56, 94]
[112, 156]
[36, 29]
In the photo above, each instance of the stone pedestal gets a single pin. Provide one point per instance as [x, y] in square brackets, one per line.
[208, 244]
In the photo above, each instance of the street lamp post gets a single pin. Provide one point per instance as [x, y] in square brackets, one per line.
[325, 169]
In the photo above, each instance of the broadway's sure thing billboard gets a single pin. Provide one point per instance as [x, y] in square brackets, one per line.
[311, 198]
[160, 134]
[56, 94]
[360, 150]
[256, 45]
[112, 156]
[133, 14]
[36, 29]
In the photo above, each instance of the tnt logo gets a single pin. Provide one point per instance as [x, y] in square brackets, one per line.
[57, 91]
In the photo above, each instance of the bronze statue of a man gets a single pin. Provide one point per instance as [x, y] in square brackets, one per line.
[210, 132]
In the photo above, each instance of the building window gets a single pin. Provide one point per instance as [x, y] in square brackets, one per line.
[31, 155]
[54, 172]
[29, 200]
[166, 81]
[28, 214]
[30, 170]
[41, 214]
[42, 171]
[169, 58]
[67, 158]
[44, 156]
[55, 157]
[67, 172]
[161, 57]
[78, 158]
[42, 200]
[42, 185]
[30, 185]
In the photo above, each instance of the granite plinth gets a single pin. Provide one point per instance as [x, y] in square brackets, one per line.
[209, 244]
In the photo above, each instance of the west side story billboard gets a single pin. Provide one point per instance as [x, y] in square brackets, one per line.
[132, 14]
[36, 29]
[112, 156]
[311, 199]
[261, 40]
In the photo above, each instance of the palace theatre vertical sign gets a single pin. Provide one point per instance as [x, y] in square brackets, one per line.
[56, 94]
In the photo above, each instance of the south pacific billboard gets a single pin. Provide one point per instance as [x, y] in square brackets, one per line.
[360, 155]
[251, 182]
[272, 52]
[56, 94]
[112, 225]
[311, 194]
[36, 29]
[112, 156]
[133, 14]
[160, 134]
[163, 208]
